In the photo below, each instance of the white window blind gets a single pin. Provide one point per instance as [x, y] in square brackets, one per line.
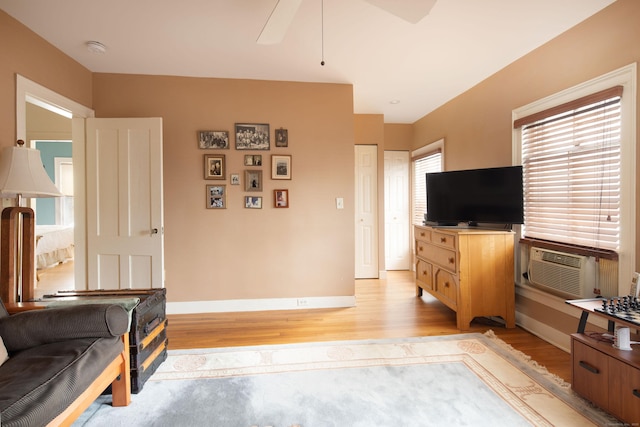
[421, 166]
[571, 166]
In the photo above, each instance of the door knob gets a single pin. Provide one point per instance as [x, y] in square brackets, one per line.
[154, 231]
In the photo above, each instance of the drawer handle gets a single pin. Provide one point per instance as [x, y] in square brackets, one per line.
[636, 393]
[152, 324]
[452, 260]
[443, 240]
[420, 248]
[589, 368]
[446, 284]
[424, 272]
[422, 234]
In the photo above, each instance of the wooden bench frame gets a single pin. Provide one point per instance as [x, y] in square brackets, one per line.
[117, 374]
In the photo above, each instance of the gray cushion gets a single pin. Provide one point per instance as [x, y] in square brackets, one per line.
[32, 328]
[37, 384]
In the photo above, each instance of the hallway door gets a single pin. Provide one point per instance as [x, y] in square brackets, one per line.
[396, 211]
[366, 208]
[124, 203]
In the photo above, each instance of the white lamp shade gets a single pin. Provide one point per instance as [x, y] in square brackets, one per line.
[22, 174]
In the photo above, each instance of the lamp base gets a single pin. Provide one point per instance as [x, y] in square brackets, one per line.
[10, 254]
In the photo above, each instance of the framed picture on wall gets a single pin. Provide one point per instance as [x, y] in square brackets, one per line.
[214, 166]
[235, 179]
[253, 160]
[216, 196]
[252, 136]
[280, 167]
[281, 198]
[253, 180]
[253, 202]
[213, 139]
[282, 137]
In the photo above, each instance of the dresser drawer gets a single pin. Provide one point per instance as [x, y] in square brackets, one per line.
[443, 257]
[444, 239]
[422, 235]
[447, 287]
[424, 274]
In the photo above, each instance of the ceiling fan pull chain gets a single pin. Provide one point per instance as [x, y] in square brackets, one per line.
[322, 30]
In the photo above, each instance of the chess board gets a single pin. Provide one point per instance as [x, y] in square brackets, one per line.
[623, 308]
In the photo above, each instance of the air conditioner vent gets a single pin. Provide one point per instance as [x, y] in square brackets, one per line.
[564, 259]
[572, 276]
[560, 273]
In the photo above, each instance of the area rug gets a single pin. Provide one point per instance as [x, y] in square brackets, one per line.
[455, 380]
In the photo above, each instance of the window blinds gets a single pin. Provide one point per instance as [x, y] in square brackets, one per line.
[431, 162]
[571, 164]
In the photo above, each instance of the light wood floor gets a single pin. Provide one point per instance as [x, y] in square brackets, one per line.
[385, 309]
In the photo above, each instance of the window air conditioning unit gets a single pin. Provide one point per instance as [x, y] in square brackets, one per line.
[567, 275]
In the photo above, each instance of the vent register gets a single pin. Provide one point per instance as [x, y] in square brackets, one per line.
[571, 275]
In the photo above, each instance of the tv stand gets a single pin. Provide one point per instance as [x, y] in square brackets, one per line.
[468, 270]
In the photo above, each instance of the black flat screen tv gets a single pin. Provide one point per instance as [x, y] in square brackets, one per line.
[492, 195]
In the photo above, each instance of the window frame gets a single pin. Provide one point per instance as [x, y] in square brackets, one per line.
[427, 150]
[625, 77]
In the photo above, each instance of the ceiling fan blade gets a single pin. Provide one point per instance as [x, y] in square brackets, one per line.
[410, 10]
[276, 26]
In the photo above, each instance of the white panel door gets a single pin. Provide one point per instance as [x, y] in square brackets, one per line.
[124, 203]
[396, 210]
[366, 209]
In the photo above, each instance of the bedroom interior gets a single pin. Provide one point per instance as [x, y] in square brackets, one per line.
[222, 278]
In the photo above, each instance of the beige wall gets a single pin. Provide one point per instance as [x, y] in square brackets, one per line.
[25, 53]
[398, 137]
[306, 250]
[476, 125]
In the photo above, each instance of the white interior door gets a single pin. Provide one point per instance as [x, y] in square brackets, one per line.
[396, 210]
[366, 208]
[124, 203]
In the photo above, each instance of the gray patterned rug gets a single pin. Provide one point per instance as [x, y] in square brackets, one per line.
[456, 380]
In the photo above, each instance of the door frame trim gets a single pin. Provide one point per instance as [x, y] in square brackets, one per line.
[32, 92]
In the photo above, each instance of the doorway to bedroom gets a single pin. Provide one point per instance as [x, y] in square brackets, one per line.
[50, 133]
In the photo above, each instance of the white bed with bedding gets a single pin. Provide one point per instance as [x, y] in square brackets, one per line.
[54, 244]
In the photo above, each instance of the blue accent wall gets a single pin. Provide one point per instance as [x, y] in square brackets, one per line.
[46, 207]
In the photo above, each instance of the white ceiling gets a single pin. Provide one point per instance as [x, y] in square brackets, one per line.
[423, 65]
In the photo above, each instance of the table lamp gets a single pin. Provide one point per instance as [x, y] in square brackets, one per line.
[22, 175]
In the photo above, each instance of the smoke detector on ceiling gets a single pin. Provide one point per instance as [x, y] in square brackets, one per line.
[96, 47]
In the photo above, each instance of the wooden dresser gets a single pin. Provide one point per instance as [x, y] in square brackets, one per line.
[469, 270]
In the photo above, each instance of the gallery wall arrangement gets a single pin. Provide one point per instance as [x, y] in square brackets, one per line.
[248, 137]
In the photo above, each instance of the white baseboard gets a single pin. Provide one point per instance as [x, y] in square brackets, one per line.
[266, 304]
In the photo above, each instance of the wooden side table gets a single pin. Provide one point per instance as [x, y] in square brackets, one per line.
[604, 375]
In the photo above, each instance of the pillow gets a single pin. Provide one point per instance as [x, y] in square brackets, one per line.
[4, 356]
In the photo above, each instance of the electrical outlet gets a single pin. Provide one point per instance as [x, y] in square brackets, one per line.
[303, 302]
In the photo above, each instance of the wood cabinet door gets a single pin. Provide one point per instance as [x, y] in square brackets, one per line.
[424, 274]
[590, 376]
[447, 287]
[624, 391]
